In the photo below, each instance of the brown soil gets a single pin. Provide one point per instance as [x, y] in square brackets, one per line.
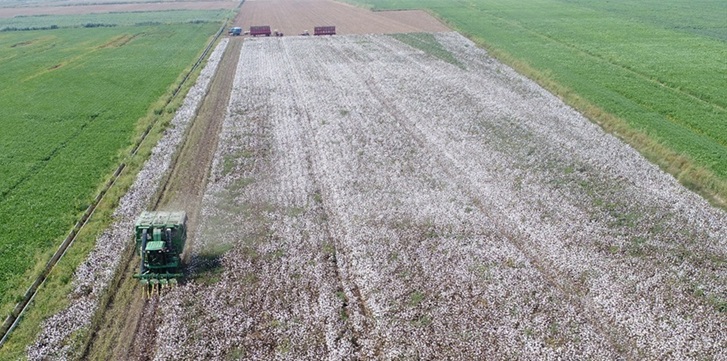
[292, 17]
[106, 8]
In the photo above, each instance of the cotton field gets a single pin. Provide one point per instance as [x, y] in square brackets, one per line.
[369, 200]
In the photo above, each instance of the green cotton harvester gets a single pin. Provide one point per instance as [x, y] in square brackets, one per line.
[160, 238]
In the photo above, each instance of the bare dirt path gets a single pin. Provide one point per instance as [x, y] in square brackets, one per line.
[129, 330]
[292, 17]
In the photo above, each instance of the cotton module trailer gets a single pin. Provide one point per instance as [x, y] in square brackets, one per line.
[260, 30]
[160, 238]
[324, 30]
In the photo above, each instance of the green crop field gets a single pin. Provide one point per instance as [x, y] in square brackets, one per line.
[70, 102]
[659, 67]
[31, 3]
[40, 22]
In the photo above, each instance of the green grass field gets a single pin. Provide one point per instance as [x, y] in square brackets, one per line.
[69, 107]
[657, 66]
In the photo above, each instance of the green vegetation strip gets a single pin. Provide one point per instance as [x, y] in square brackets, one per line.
[145, 18]
[651, 72]
[428, 44]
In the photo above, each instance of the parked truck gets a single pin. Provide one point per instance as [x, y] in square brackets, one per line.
[236, 31]
[260, 30]
[324, 30]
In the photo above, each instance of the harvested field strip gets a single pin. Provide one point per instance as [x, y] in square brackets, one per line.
[131, 8]
[371, 200]
[136, 18]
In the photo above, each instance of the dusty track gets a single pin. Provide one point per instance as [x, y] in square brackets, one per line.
[128, 329]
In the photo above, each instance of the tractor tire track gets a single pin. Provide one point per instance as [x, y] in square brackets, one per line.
[455, 172]
[458, 175]
[363, 326]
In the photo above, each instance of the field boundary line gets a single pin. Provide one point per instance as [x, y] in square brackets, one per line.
[12, 320]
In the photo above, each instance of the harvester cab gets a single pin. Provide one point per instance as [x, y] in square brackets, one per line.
[160, 238]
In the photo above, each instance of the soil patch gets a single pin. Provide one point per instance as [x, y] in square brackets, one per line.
[293, 17]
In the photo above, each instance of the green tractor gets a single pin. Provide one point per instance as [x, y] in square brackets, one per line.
[160, 238]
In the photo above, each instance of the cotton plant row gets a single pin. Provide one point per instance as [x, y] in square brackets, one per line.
[355, 228]
[92, 277]
[409, 195]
